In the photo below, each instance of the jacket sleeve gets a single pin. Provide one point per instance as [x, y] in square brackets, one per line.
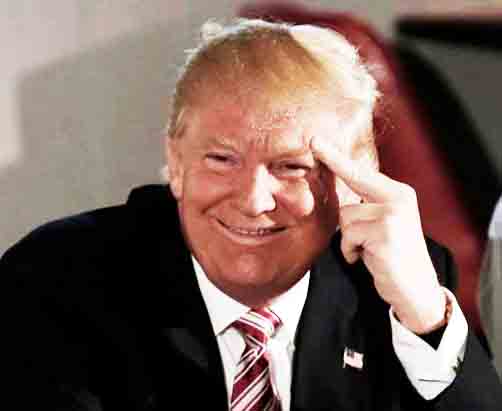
[477, 385]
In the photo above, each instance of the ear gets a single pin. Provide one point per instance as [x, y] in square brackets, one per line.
[175, 168]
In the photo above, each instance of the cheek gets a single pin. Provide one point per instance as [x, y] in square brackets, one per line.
[311, 199]
[205, 189]
[299, 198]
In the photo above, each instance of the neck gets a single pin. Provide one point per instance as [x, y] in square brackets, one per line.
[258, 296]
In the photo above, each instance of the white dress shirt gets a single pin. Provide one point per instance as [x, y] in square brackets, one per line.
[430, 371]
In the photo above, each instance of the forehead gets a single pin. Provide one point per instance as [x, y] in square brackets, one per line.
[277, 127]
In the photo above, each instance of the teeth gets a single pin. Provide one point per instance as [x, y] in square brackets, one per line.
[259, 232]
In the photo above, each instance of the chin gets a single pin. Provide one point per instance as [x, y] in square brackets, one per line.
[251, 268]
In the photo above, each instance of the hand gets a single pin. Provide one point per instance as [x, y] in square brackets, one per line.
[385, 231]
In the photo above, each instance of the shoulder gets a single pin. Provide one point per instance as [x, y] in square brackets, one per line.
[56, 240]
[91, 234]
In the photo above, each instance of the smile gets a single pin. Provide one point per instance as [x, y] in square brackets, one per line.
[257, 234]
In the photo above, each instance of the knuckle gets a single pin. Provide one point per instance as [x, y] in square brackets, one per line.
[345, 246]
[389, 226]
[389, 210]
[344, 216]
[347, 234]
[356, 174]
[407, 192]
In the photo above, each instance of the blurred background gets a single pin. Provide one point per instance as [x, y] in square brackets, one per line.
[86, 87]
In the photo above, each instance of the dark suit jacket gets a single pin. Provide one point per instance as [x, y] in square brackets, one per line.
[104, 312]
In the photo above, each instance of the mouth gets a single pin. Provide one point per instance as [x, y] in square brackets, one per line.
[253, 234]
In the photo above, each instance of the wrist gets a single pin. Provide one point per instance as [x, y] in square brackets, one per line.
[427, 320]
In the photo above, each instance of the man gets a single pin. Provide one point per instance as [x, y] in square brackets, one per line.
[490, 286]
[284, 273]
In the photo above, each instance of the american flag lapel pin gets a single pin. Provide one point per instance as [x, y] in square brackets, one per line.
[352, 359]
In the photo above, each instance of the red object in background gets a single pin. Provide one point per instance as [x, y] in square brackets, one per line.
[407, 145]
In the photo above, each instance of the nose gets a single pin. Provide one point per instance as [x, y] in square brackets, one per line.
[256, 193]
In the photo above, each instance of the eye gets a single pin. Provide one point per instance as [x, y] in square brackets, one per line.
[220, 161]
[220, 158]
[293, 170]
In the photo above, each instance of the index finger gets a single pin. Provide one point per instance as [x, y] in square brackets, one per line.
[368, 183]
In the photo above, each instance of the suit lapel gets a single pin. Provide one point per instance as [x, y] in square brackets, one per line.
[175, 318]
[330, 324]
[190, 333]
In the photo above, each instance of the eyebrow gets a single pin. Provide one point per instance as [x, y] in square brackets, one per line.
[296, 152]
[285, 150]
[220, 142]
[280, 154]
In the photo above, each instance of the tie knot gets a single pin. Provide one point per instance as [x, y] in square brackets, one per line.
[258, 324]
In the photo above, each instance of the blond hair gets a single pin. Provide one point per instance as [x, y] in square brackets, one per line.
[283, 62]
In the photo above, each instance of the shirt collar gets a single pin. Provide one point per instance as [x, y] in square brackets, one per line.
[224, 310]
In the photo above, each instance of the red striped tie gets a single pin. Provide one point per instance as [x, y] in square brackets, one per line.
[252, 390]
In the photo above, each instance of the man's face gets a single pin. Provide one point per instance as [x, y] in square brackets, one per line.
[253, 202]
